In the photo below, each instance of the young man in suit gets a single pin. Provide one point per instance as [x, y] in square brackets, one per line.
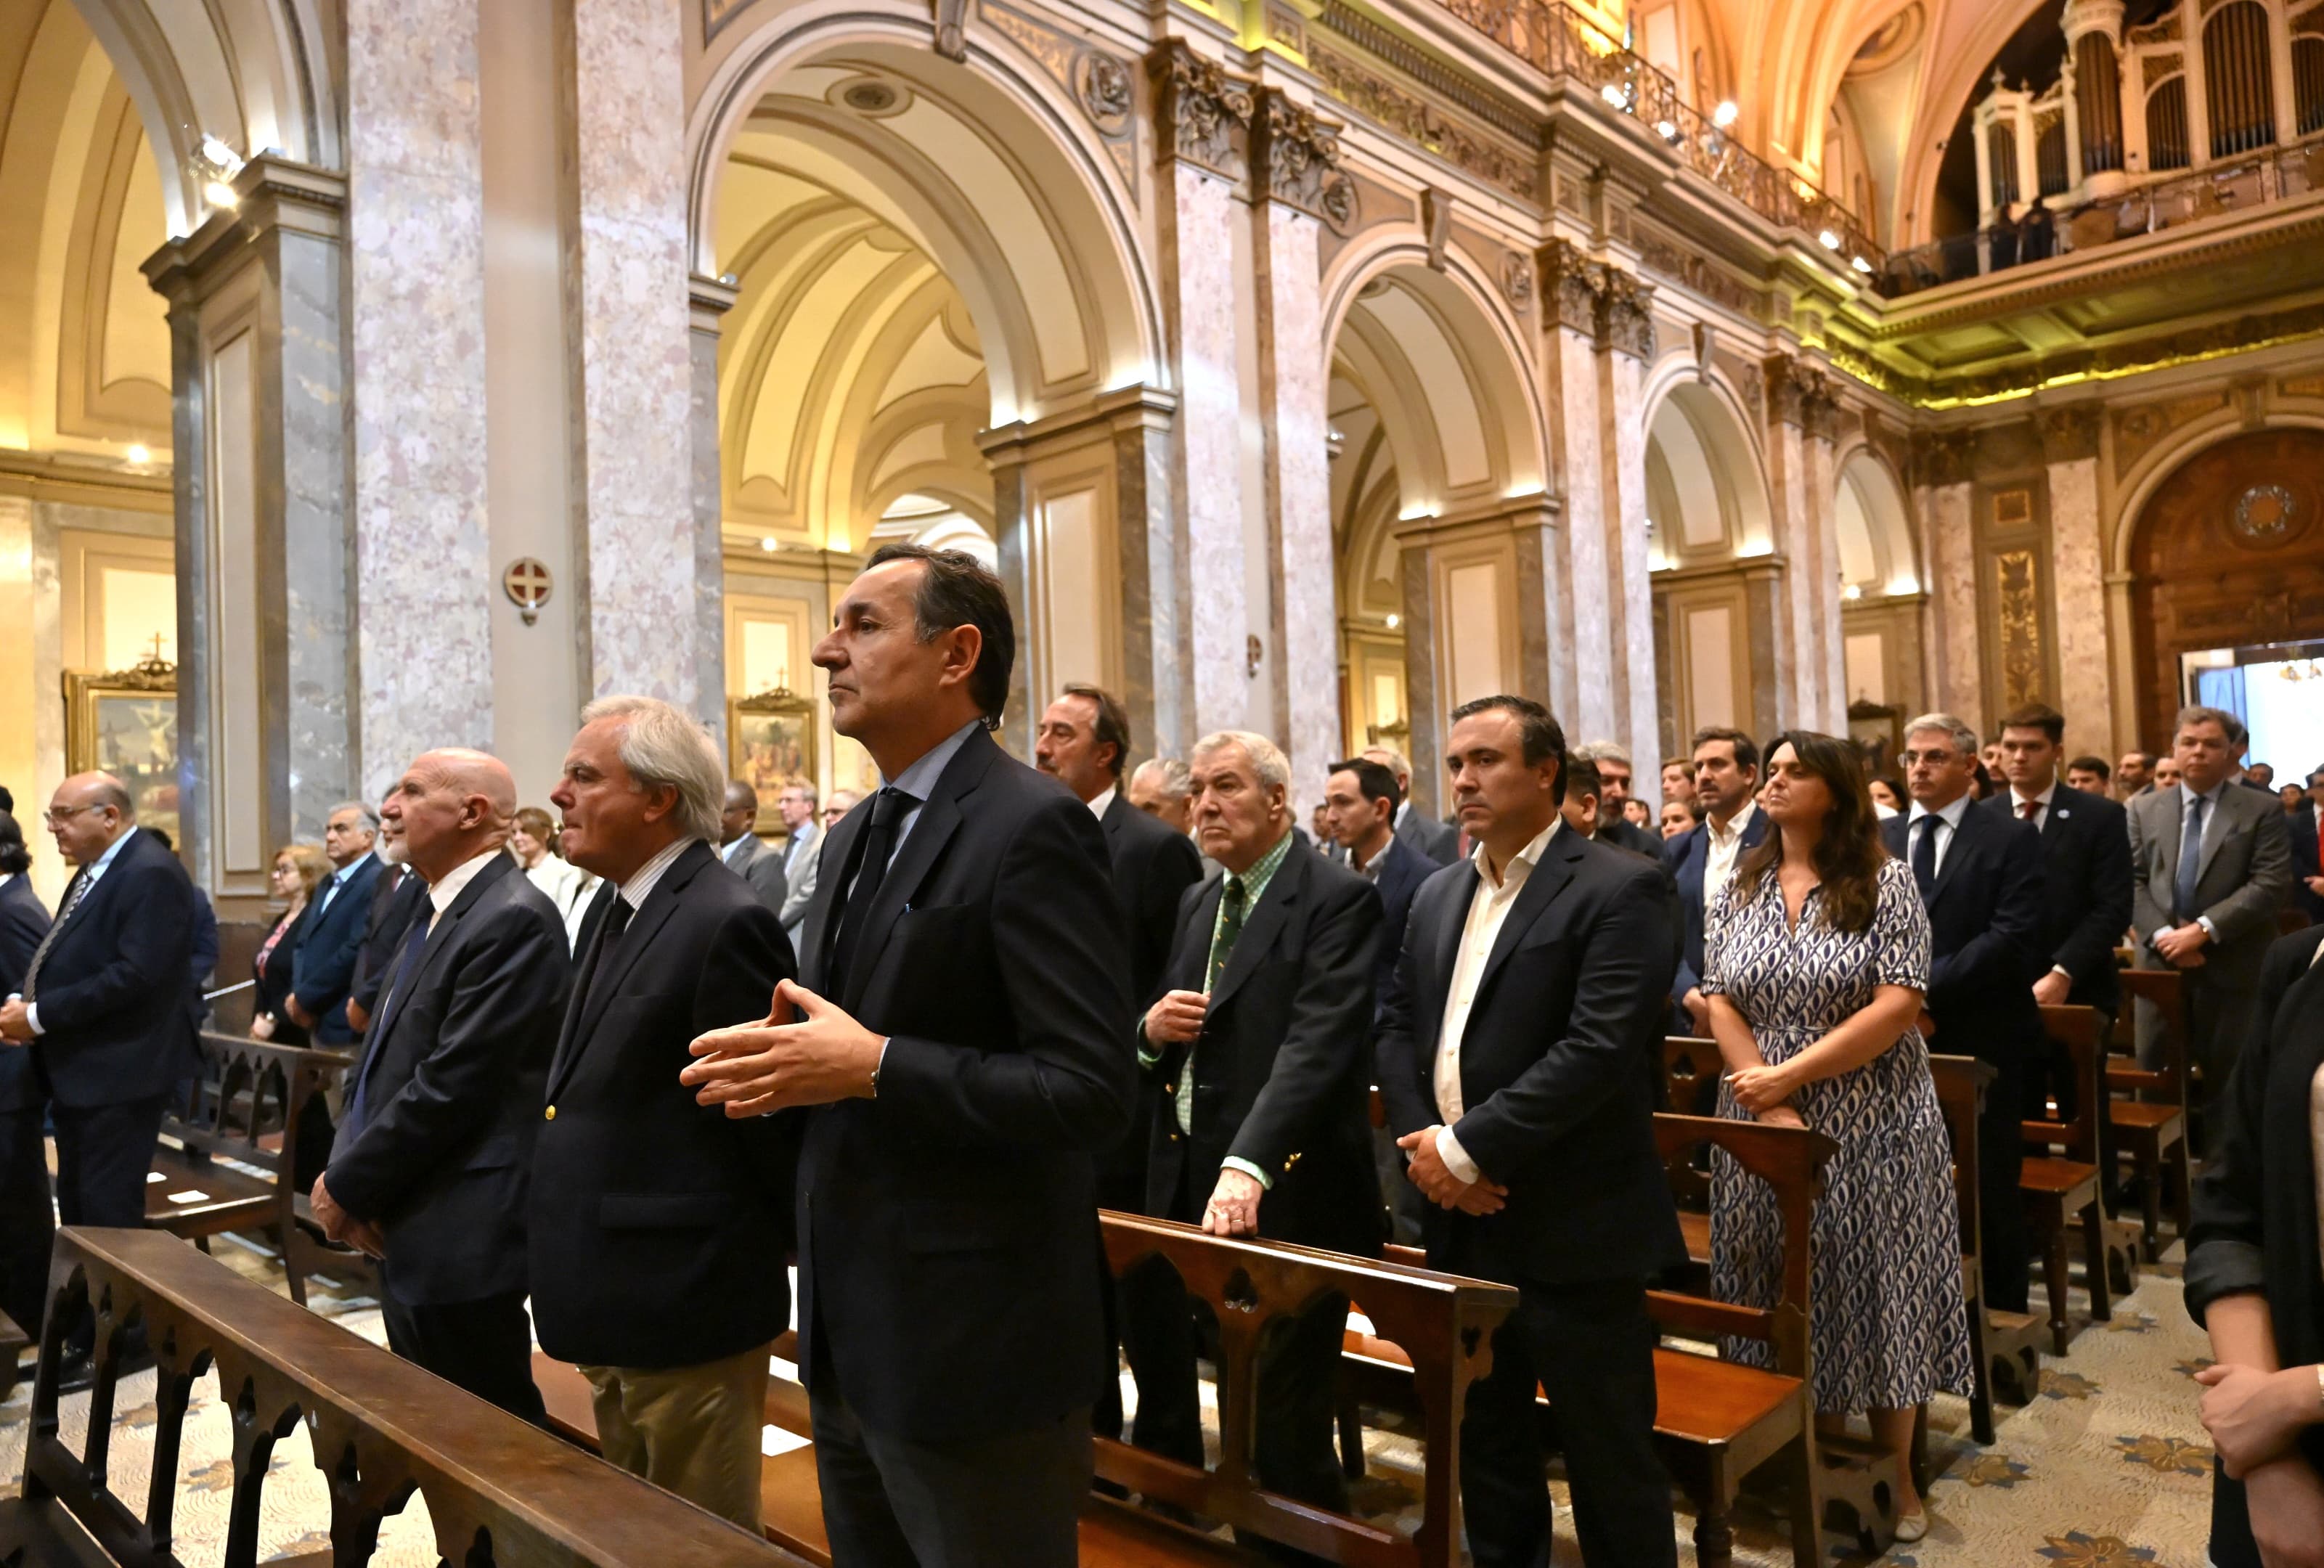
[1725, 783]
[802, 848]
[1260, 1047]
[653, 1217]
[331, 936]
[1980, 875]
[744, 853]
[2210, 865]
[103, 1001]
[2086, 883]
[28, 1224]
[2306, 830]
[1432, 841]
[430, 1170]
[966, 1046]
[1514, 1053]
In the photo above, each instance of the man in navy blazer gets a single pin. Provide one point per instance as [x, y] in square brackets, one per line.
[2086, 880]
[103, 1000]
[331, 937]
[1980, 874]
[27, 1223]
[1726, 780]
[430, 1170]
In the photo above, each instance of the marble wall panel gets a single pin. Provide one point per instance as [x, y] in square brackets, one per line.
[1201, 291]
[2077, 581]
[1830, 713]
[709, 618]
[646, 621]
[1952, 552]
[1586, 702]
[308, 390]
[1798, 679]
[1638, 708]
[423, 565]
[1293, 379]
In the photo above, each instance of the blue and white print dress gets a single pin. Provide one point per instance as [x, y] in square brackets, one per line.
[1887, 1320]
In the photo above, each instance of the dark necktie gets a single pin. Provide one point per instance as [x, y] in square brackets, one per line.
[399, 977]
[2029, 810]
[873, 849]
[1925, 856]
[2190, 862]
[609, 941]
[80, 885]
[1231, 910]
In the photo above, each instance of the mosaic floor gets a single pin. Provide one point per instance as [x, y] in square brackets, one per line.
[2107, 1469]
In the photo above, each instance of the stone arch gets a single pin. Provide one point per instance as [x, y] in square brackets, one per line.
[1707, 487]
[2136, 488]
[1878, 552]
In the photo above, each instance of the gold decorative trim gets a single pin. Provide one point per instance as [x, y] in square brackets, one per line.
[1417, 121]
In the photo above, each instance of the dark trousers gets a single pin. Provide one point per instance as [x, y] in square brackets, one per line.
[1009, 1501]
[2001, 1206]
[103, 1153]
[1298, 1395]
[27, 1223]
[1590, 1347]
[484, 1346]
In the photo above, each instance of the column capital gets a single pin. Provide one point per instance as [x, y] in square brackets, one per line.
[1942, 458]
[271, 195]
[1541, 509]
[1801, 393]
[2084, 16]
[1569, 287]
[1625, 315]
[2070, 432]
[1202, 115]
[1295, 159]
[708, 299]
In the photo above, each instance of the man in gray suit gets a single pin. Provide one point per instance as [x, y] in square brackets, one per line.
[740, 847]
[801, 850]
[2210, 865]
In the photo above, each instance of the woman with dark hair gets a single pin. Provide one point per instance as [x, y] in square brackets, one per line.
[298, 869]
[2254, 1279]
[1885, 792]
[1816, 957]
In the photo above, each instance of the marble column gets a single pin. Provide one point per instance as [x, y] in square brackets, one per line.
[1800, 411]
[1831, 641]
[2069, 446]
[626, 282]
[1295, 172]
[1202, 118]
[259, 470]
[709, 301]
[1569, 292]
[1625, 337]
[424, 573]
[1956, 683]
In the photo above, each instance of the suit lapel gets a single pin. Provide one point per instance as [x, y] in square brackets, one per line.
[830, 897]
[1960, 850]
[635, 939]
[1542, 884]
[1260, 927]
[938, 820]
[1195, 941]
[2215, 828]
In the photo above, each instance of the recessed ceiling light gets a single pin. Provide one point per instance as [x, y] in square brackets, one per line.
[139, 453]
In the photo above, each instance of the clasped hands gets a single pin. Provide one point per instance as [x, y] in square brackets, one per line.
[1439, 1185]
[2181, 946]
[17, 1021]
[1765, 1091]
[752, 1069]
[2255, 1418]
[344, 1228]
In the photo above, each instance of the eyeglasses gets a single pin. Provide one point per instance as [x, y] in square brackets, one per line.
[56, 816]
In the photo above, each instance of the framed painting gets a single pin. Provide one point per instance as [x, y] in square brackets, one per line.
[1877, 731]
[771, 742]
[124, 723]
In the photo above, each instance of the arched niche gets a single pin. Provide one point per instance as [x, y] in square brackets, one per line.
[1882, 602]
[1706, 488]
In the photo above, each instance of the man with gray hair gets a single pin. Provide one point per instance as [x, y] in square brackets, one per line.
[1162, 788]
[654, 1219]
[331, 933]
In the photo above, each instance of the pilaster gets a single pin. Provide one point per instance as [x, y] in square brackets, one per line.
[1626, 339]
[1944, 493]
[708, 300]
[2069, 450]
[1569, 292]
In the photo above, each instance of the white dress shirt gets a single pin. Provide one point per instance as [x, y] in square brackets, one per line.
[441, 894]
[1104, 800]
[1947, 820]
[2018, 799]
[1725, 848]
[642, 881]
[1488, 906]
[96, 869]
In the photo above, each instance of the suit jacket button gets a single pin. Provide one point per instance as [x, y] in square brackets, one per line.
[1290, 1160]
[549, 1114]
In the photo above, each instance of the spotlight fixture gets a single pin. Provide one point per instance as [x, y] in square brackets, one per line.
[216, 164]
[140, 454]
[1851, 591]
[1828, 240]
[1618, 96]
[1860, 264]
[1394, 621]
[768, 543]
[1724, 115]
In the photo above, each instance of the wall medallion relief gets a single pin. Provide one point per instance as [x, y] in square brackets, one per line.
[2265, 516]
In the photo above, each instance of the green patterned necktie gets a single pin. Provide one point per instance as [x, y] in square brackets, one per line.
[1229, 927]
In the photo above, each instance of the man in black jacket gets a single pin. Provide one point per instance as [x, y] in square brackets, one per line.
[967, 1047]
[1980, 875]
[1261, 1047]
[331, 933]
[428, 1171]
[1528, 1000]
[103, 1001]
[655, 1218]
[28, 1224]
[395, 894]
[2086, 882]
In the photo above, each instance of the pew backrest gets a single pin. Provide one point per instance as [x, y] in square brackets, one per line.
[1962, 1084]
[245, 1099]
[2076, 1029]
[2165, 993]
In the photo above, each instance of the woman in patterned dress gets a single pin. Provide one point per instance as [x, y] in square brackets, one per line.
[1817, 955]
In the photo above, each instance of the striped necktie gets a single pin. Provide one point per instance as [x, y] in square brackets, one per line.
[81, 884]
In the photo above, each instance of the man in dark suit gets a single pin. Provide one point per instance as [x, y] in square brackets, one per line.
[103, 1001]
[1588, 812]
[967, 1045]
[2086, 883]
[27, 1221]
[2306, 827]
[1726, 781]
[657, 1224]
[1528, 1000]
[2133, 774]
[2210, 865]
[1435, 842]
[1260, 1127]
[428, 1174]
[331, 936]
[746, 854]
[395, 893]
[1980, 874]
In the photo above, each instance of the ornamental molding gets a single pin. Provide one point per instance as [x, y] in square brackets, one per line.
[2070, 433]
[1569, 288]
[1625, 315]
[1296, 161]
[1405, 113]
[1203, 116]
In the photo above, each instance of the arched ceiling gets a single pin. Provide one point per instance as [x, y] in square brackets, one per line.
[84, 343]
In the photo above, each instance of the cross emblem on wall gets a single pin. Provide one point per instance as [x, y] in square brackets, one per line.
[527, 583]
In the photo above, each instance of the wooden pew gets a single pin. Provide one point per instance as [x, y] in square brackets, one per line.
[2005, 1346]
[2150, 1121]
[243, 1106]
[1692, 1068]
[498, 1490]
[2060, 1189]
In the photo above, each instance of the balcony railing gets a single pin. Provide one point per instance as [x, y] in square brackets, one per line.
[2172, 201]
[1559, 42]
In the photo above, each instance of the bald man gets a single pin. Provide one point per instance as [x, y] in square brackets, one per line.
[104, 1003]
[429, 1172]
